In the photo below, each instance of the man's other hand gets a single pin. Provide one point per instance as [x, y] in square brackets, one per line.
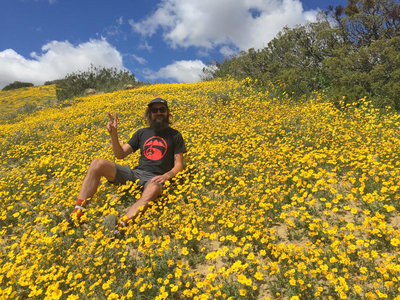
[160, 179]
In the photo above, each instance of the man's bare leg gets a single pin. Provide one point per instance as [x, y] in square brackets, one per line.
[150, 193]
[97, 169]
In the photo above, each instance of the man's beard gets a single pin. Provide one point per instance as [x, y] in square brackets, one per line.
[159, 125]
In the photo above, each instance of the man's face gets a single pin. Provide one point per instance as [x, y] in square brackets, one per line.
[158, 116]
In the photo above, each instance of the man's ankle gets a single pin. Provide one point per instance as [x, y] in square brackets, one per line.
[125, 221]
[79, 209]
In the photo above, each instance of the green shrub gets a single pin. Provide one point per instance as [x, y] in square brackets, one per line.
[17, 85]
[98, 79]
[27, 108]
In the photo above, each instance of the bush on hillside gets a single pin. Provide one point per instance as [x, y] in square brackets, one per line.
[100, 79]
[350, 52]
[17, 85]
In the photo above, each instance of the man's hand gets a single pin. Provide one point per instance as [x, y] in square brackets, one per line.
[160, 178]
[112, 124]
[178, 166]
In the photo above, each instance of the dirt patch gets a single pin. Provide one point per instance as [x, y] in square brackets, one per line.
[203, 268]
[395, 222]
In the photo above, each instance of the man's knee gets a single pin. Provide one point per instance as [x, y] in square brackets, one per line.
[102, 167]
[96, 164]
[154, 187]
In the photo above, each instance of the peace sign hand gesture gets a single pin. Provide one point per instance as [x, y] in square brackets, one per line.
[112, 124]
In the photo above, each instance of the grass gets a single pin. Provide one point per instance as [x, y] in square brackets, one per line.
[279, 199]
[25, 101]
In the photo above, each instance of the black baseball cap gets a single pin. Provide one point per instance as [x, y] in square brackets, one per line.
[158, 100]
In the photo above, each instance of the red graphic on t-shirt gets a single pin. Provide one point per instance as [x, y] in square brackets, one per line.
[155, 148]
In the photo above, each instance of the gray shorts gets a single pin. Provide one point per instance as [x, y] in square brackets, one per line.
[125, 174]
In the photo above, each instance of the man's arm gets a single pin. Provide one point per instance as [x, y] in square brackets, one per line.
[120, 152]
[178, 167]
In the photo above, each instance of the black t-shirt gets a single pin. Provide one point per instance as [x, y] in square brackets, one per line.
[157, 149]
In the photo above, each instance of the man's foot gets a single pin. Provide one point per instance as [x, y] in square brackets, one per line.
[62, 227]
[70, 222]
[74, 219]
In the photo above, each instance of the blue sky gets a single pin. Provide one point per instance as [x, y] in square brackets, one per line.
[158, 41]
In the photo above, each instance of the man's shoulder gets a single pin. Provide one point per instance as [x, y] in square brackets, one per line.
[144, 130]
[175, 133]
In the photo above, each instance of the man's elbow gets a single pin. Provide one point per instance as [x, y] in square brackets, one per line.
[180, 168]
[120, 155]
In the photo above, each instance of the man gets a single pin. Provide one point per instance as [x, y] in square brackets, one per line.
[161, 158]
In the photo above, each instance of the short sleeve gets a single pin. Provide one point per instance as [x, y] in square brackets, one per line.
[179, 144]
[134, 141]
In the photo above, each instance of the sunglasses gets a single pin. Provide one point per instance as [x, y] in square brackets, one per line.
[154, 110]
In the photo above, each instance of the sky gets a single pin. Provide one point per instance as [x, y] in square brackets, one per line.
[158, 41]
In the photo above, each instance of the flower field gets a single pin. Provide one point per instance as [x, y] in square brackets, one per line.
[279, 200]
[25, 100]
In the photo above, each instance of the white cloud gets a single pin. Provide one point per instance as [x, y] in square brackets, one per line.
[115, 30]
[56, 60]
[180, 71]
[211, 24]
[120, 21]
[227, 51]
[139, 59]
[145, 46]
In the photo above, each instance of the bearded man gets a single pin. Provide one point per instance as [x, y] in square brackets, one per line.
[161, 158]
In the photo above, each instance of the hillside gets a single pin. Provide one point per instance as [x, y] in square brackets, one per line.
[25, 100]
[279, 199]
